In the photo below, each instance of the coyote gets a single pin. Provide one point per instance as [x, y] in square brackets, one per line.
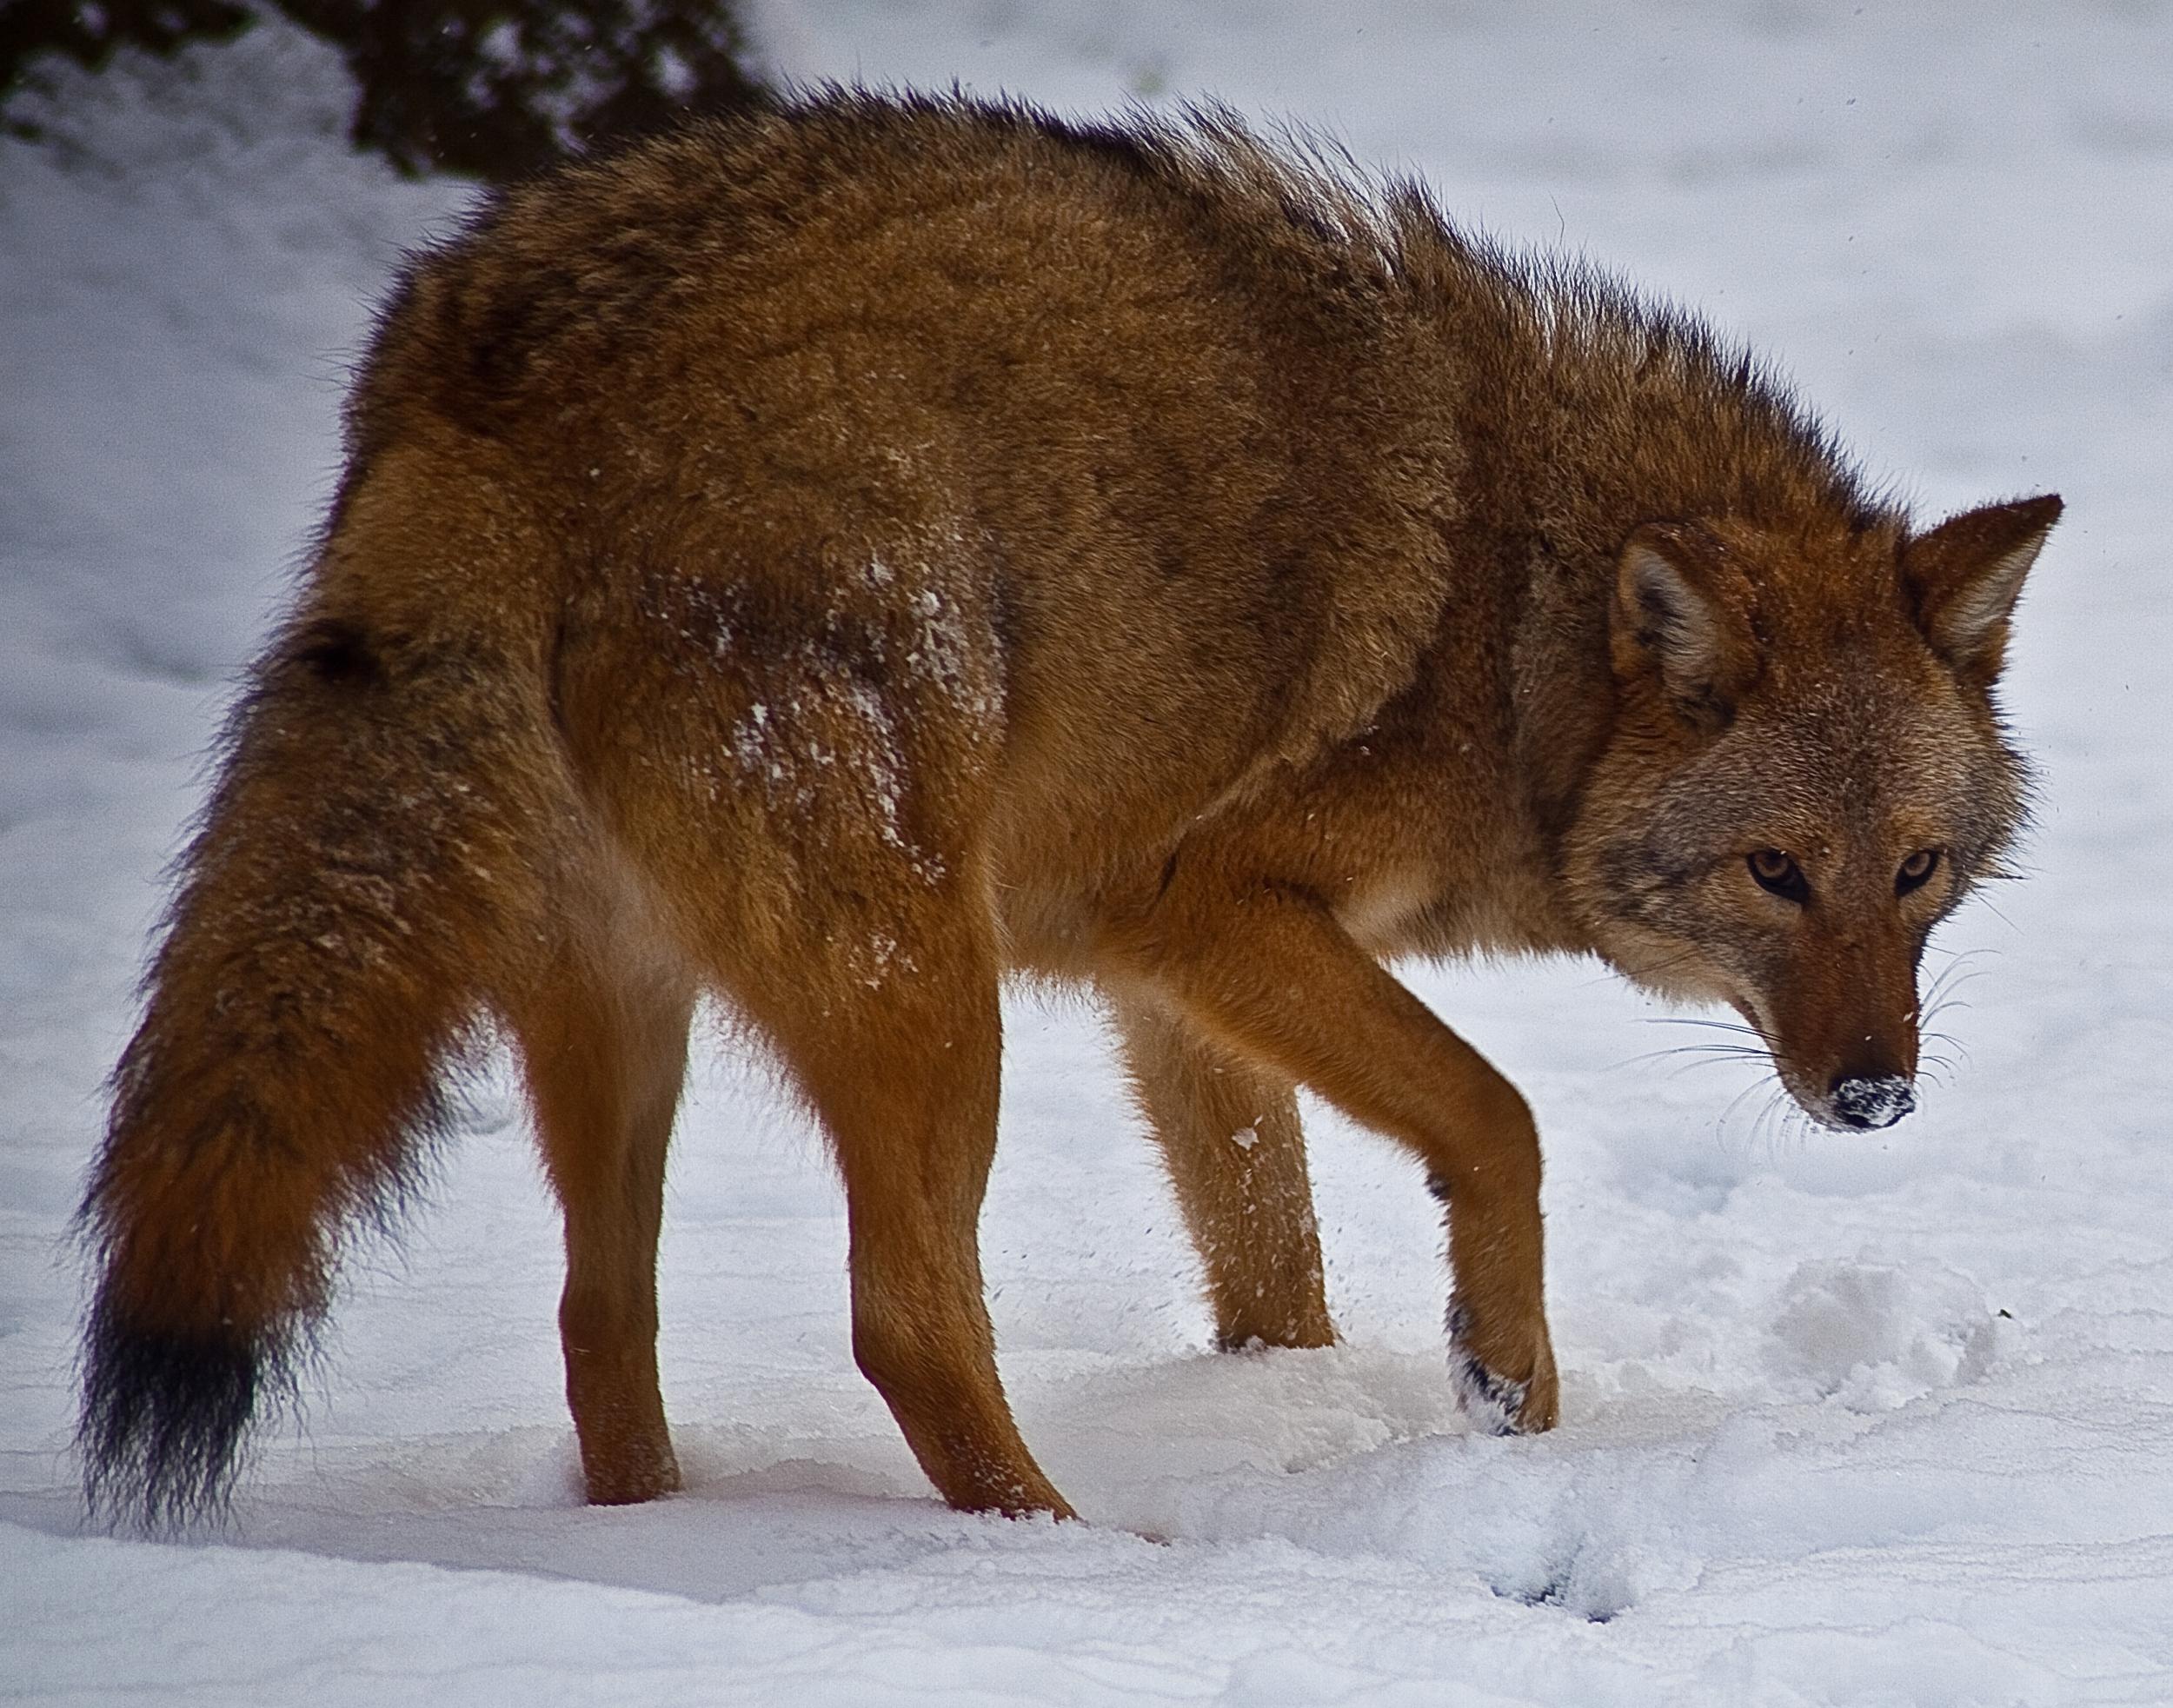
[836, 559]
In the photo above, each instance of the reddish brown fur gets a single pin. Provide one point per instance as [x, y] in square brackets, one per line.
[840, 558]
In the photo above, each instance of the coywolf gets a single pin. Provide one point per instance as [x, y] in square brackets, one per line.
[836, 558]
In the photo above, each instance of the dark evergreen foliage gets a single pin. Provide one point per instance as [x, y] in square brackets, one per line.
[90, 32]
[491, 89]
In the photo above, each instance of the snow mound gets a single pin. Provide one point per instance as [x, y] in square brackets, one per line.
[1871, 1337]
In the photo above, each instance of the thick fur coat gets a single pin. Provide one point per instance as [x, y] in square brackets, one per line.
[839, 558]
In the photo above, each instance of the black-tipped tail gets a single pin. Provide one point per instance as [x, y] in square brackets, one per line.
[164, 1416]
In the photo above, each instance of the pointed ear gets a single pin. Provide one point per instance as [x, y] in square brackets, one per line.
[1682, 612]
[1964, 576]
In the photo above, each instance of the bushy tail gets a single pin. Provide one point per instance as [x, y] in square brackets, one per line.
[371, 864]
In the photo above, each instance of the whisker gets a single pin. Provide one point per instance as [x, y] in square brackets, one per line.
[1695, 1020]
[1762, 1131]
[1688, 1057]
[1750, 1056]
[1713, 1052]
[1952, 980]
[1735, 1103]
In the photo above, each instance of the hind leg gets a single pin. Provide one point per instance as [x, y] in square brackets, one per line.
[903, 1069]
[1236, 1155]
[604, 1047]
[813, 814]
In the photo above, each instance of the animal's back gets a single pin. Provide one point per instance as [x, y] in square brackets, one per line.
[1087, 464]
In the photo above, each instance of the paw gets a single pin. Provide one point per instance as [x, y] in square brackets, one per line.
[1495, 1402]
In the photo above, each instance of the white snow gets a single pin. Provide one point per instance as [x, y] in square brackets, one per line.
[1848, 1419]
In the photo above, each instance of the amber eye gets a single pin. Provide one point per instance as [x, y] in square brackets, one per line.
[1778, 873]
[1915, 871]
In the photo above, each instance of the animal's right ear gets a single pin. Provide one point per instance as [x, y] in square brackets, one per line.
[1682, 614]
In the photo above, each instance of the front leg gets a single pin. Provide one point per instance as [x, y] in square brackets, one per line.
[1264, 970]
[1497, 1404]
[1236, 1154]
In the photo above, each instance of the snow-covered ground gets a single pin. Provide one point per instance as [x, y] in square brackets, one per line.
[1876, 1418]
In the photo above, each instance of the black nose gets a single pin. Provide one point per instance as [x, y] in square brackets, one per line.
[1872, 1103]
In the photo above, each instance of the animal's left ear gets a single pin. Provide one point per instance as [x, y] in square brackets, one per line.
[1965, 575]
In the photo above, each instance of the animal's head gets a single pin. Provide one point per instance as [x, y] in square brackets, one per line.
[1806, 774]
